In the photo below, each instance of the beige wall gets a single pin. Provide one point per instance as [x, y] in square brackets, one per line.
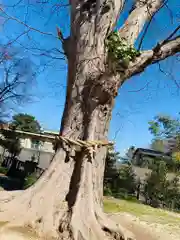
[25, 143]
[45, 146]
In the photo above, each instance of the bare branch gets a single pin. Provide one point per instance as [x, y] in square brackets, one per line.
[23, 23]
[170, 12]
[16, 77]
[14, 5]
[169, 75]
[171, 35]
[167, 49]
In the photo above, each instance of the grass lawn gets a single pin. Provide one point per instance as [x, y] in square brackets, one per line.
[142, 211]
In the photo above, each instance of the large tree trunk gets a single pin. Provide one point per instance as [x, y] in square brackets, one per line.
[66, 202]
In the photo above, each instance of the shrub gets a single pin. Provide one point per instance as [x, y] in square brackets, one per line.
[3, 170]
[30, 180]
[107, 191]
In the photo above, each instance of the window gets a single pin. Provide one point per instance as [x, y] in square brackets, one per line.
[35, 144]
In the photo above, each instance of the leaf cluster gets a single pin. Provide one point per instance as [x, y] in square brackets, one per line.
[26, 123]
[119, 50]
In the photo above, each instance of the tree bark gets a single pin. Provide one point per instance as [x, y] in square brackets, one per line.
[66, 202]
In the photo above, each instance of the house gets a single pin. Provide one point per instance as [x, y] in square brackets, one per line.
[37, 147]
[141, 156]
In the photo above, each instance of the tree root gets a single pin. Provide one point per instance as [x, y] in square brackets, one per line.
[115, 230]
[71, 228]
[91, 228]
[65, 230]
[94, 229]
[65, 204]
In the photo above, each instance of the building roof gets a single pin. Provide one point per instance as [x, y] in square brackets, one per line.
[45, 135]
[150, 153]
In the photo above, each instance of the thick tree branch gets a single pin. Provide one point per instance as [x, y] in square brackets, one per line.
[167, 49]
[162, 51]
[149, 23]
[143, 11]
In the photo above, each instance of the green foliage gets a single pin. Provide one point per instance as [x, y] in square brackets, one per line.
[10, 141]
[30, 180]
[3, 170]
[164, 127]
[26, 123]
[159, 191]
[126, 181]
[173, 194]
[110, 172]
[119, 183]
[107, 191]
[141, 211]
[119, 50]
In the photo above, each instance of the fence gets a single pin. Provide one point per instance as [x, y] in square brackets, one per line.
[18, 167]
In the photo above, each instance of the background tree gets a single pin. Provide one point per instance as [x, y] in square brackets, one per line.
[119, 178]
[173, 193]
[126, 182]
[159, 191]
[99, 62]
[16, 78]
[130, 153]
[110, 172]
[11, 142]
[164, 127]
[26, 123]
[158, 145]
[156, 185]
[166, 132]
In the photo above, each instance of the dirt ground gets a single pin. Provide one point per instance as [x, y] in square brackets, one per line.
[144, 222]
[141, 230]
[145, 230]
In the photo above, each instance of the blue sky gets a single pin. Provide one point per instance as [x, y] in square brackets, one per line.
[139, 99]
